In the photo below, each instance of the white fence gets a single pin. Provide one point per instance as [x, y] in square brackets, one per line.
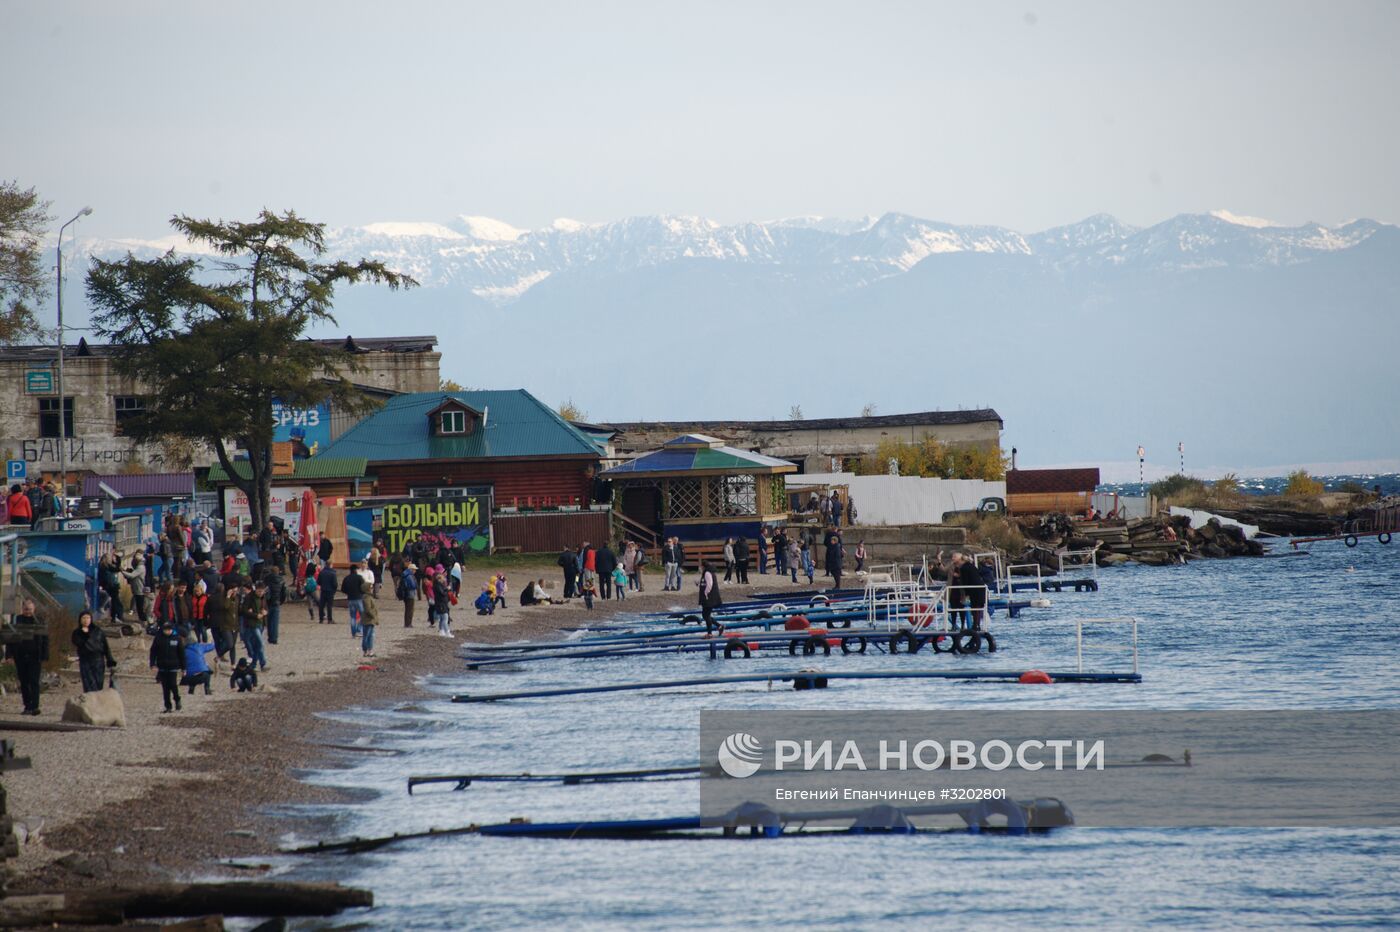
[905, 499]
[1125, 506]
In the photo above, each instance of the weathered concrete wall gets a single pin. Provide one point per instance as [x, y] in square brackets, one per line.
[813, 448]
[901, 543]
[90, 382]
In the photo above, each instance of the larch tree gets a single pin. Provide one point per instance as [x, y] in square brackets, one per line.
[216, 340]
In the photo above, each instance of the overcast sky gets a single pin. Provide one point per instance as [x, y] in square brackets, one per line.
[1025, 115]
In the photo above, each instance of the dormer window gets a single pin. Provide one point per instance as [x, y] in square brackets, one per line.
[452, 422]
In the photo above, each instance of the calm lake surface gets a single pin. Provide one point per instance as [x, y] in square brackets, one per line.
[1297, 633]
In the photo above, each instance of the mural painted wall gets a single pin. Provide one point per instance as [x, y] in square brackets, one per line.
[64, 565]
[397, 523]
[308, 428]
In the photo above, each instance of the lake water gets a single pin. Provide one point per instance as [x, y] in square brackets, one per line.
[1301, 633]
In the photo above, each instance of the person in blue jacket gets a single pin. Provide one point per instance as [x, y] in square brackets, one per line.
[197, 670]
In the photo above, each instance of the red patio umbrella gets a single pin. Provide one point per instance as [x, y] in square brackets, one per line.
[309, 530]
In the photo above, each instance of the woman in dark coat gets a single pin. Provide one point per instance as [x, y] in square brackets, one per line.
[94, 653]
[709, 592]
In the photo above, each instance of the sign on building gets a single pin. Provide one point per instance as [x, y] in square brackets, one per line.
[285, 503]
[14, 469]
[397, 523]
[308, 428]
[38, 381]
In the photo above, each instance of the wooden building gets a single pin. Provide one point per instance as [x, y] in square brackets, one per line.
[536, 468]
[699, 490]
[1038, 491]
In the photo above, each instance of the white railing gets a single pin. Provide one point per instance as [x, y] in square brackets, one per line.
[1080, 560]
[1011, 577]
[1079, 645]
[996, 561]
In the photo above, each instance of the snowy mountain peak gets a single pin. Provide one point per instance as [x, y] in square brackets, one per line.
[433, 230]
[500, 263]
[488, 229]
[1240, 220]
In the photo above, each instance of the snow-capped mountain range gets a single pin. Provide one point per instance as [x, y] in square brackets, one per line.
[499, 263]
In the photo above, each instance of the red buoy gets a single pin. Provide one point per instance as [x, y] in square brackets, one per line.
[1035, 676]
[797, 623]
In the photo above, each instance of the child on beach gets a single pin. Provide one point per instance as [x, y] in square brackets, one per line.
[860, 556]
[588, 589]
[244, 677]
[485, 603]
[619, 576]
[308, 591]
[500, 584]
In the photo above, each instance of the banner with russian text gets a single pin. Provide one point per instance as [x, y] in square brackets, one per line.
[397, 523]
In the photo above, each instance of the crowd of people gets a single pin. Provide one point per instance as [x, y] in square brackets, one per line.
[29, 501]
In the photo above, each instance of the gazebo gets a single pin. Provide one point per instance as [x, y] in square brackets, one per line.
[699, 490]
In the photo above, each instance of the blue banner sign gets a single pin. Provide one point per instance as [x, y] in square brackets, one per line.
[309, 428]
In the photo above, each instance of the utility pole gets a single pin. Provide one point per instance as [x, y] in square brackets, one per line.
[1142, 456]
[62, 401]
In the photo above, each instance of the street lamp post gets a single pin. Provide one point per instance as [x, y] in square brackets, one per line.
[62, 405]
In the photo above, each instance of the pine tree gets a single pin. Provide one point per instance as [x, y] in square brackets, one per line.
[216, 341]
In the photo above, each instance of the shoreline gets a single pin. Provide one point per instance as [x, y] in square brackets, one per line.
[175, 797]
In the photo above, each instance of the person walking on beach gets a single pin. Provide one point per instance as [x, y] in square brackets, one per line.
[442, 602]
[501, 587]
[741, 559]
[728, 559]
[196, 611]
[94, 653]
[136, 582]
[353, 586]
[794, 556]
[780, 546]
[327, 584]
[368, 622]
[620, 583]
[588, 565]
[29, 653]
[763, 544]
[808, 566]
[407, 591]
[167, 662]
[375, 563]
[309, 595]
[835, 555]
[276, 596]
[223, 606]
[252, 615]
[709, 593]
[324, 549]
[607, 563]
[568, 562]
[668, 563]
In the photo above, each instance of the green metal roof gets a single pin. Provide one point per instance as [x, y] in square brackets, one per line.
[318, 467]
[694, 453]
[517, 424]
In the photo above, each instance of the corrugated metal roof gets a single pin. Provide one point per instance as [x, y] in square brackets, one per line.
[142, 485]
[517, 425]
[318, 467]
[1033, 481]
[672, 460]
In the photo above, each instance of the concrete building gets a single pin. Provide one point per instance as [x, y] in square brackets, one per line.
[98, 400]
[814, 444]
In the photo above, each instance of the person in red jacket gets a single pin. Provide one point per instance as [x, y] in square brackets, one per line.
[21, 512]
